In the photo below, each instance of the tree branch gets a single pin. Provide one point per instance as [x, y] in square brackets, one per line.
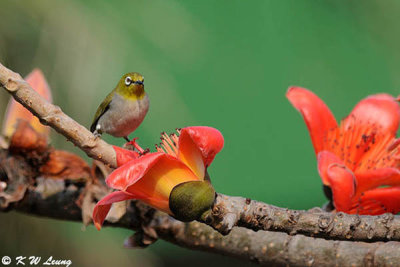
[267, 248]
[238, 211]
[75, 201]
[53, 116]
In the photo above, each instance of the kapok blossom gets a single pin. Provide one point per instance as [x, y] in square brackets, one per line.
[358, 159]
[15, 111]
[155, 177]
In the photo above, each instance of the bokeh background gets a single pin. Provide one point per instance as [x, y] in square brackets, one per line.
[225, 64]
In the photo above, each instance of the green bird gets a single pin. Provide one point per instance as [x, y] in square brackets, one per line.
[124, 109]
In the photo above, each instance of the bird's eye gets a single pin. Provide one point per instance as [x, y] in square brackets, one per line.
[128, 81]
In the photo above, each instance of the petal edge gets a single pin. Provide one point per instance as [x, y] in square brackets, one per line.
[209, 140]
[316, 114]
[104, 205]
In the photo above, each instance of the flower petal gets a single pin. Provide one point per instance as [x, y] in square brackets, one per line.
[191, 155]
[16, 111]
[152, 177]
[325, 160]
[159, 180]
[198, 146]
[342, 183]
[379, 201]
[123, 155]
[316, 114]
[132, 171]
[381, 110]
[370, 179]
[104, 205]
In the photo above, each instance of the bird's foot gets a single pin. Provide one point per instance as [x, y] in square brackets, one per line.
[96, 134]
[134, 144]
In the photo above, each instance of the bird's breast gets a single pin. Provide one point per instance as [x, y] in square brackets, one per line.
[124, 115]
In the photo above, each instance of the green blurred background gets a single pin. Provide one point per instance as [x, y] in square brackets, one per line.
[225, 64]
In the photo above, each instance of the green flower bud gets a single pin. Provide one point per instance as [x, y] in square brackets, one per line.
[189, 200]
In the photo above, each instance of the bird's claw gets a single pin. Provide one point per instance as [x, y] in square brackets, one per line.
[96, 134]
[134, 144]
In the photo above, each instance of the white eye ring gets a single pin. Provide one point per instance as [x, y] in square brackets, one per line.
[128, 80]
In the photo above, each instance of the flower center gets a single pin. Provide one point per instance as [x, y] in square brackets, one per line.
[362, 146]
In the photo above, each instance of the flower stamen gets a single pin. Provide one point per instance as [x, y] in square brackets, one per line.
[168, 144]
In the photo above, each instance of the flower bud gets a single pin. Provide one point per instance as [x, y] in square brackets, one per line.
[189, 200]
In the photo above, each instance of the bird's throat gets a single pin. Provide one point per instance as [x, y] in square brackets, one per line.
[135, 92]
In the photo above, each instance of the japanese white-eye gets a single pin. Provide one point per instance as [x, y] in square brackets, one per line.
[124, 109]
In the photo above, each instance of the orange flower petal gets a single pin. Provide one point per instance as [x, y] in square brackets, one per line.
[316, 114]
[342, 183]
[381, 111]
[131, 172]
[104, 205]
[65, 165]
[370, 179]
[209, 141]
[325, 160]
[25, 139]
[379, 201]
[123, 155]
[16, 111]
[157, 183]
[152, 177]
[191, 155]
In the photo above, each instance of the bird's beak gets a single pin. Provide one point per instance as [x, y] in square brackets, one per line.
[138, 82]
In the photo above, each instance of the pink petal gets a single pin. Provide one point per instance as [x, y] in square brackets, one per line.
[104, 205]
[316, 114]
[342, 183]
[381, 110]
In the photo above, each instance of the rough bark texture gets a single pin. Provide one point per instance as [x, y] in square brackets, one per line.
[23, 188]
[264, 247]
[238, 211]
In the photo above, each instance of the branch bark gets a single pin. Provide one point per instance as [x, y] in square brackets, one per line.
[285, 246]
[238, 211]
[53, 116]
[263, 247]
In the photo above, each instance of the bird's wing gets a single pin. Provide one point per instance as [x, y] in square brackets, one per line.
[101, 110]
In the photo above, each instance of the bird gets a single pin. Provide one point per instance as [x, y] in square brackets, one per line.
[123, 110]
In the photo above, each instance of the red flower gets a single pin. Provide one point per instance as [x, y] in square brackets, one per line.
[359, 159]
[153, 177]
[15, 111]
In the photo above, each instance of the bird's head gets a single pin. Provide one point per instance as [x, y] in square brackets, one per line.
[131, 85]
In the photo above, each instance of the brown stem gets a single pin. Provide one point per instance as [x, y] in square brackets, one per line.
[238, 211]
[264, 247]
